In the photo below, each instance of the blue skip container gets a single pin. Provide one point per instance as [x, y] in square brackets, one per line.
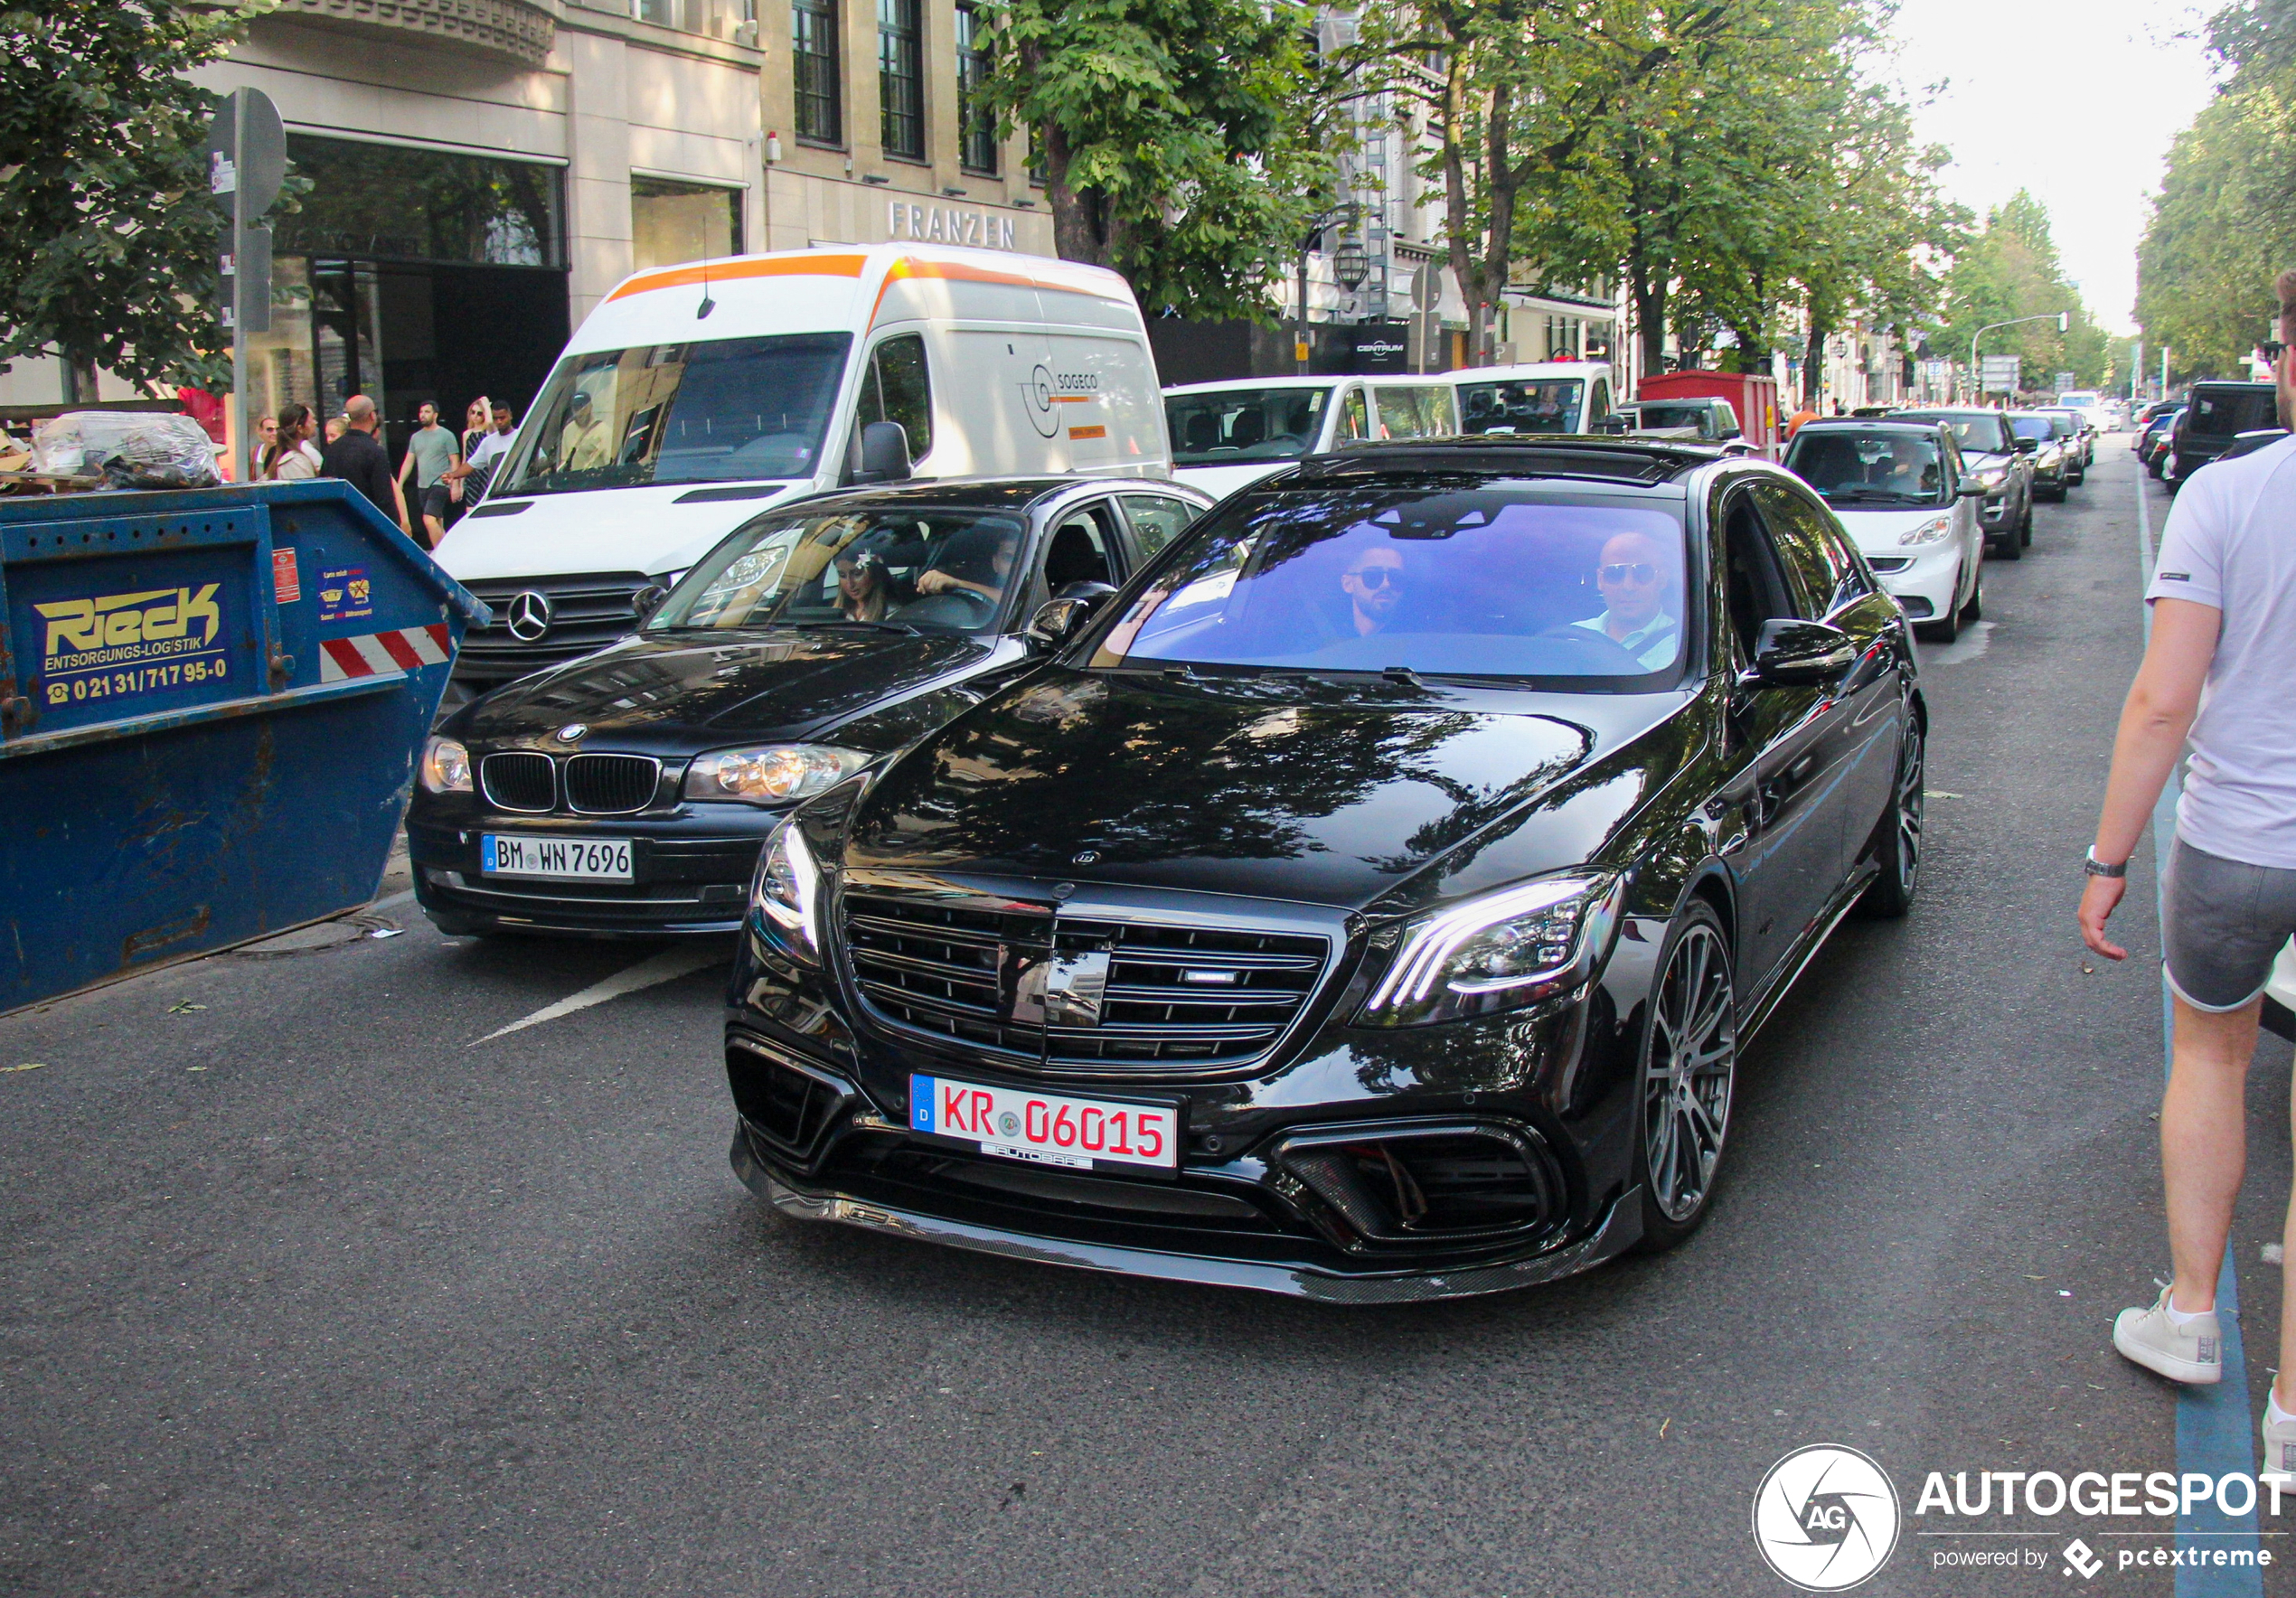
[212, 704]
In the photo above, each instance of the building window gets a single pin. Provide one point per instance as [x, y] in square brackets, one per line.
[719, 19]
[977, 142]
[673, 221]
[901, 77]
[812, 53]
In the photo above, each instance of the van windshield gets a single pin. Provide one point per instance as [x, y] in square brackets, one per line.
[715, 411]
[1236, 427]
[1536, 405]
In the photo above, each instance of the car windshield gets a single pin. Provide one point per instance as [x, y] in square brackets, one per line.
[1668, 415]
[2232, 410]
[892, 566]
[2079, 398]
[1235, 426]
[1532, 405]
[2026, 425]
[2066, 423]
[1853, 467]
[1501, 581]
[715, 411]
[1979, 432]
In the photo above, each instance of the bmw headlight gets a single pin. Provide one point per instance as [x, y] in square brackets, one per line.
[771, 774]
[445, 767]
[1936, 530]
[785, 894]
[1497, 952]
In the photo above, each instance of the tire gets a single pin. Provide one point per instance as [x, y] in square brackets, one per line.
[1898, 836]
[1945, 628]
[1974, 611]
[2154, 468]
[1689, 1076]
[2025, 526]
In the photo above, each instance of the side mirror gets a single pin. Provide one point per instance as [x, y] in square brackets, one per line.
[884, 453]
[646, 601]
[1732, 431]
[1063, 617]
[1791, 653]
[2028, 445]
[1616, 424]
[1970, 488]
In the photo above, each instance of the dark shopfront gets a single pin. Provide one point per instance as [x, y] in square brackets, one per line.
[412, 275]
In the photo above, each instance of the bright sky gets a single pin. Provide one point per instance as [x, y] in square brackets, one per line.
[2076, 102]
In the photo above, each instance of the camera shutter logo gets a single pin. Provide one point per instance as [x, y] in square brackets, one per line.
[1825, 1518]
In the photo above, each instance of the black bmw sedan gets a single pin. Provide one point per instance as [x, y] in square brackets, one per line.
[1369, 903]
[629, 791]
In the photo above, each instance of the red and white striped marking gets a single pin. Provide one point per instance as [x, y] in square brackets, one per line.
[407, 649]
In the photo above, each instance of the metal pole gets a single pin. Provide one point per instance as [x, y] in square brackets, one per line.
[1299, 339]
[238, 431]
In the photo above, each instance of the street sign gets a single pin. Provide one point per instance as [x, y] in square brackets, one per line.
[1427, 289]
[2000, 375]
[2064, 380]
[255, 174]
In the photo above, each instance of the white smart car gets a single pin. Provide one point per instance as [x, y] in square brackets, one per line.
[1902, 493]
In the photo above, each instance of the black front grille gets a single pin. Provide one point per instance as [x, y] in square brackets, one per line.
[588, 613]
[1169, 998]
[519, 780]
[611, 785]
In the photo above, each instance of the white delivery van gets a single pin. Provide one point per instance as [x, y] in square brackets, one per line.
[1545, 397]
[696, 395]
[1224, 436]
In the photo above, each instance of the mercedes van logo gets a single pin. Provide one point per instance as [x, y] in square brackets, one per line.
[530, 616]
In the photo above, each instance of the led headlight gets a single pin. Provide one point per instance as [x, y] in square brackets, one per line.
[771, 774]
[445, 767]
[1936, 530]
[1992, 478]
[786, 892]
[1499, 951]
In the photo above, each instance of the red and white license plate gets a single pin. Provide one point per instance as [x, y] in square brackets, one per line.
[1047, 1129]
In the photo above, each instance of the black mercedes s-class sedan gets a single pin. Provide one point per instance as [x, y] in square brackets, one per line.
[630, 790]
[1370, 902]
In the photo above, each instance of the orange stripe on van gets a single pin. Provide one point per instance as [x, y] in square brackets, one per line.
[771, 266]
[963, 272]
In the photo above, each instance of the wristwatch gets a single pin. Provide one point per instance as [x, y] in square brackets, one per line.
[2097, 867]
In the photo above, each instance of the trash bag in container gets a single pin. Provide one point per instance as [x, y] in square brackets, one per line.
[127, 448]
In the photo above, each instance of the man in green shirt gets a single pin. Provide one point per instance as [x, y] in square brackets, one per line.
[431, 453]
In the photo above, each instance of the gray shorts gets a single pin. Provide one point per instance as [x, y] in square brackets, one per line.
[2224, 924]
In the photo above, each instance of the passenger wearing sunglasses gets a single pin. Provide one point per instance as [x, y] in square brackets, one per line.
[1629, 577]
[1373, 583]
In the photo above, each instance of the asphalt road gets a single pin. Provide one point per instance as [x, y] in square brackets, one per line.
[310, 1288]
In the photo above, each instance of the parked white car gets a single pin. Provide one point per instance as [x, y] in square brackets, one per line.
[1227, 436]
[1545, 397]
[1902, 493]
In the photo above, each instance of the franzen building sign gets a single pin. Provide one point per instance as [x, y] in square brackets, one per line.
[982, 227]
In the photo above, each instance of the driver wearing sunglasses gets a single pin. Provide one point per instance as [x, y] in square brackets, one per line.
[1631, 579]
[1372, 582]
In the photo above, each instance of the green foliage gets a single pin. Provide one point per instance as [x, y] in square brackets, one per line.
[109, 239]
[2224, 222]
[2011, 270]
[1181, 139]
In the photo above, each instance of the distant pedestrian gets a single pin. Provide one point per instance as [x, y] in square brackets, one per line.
[476, 425]
[292, 457]
[337, 425]
[2214, 683]
[1807, 413]
[480, 461]
[267, 433]
[359, 459]
[431, 453]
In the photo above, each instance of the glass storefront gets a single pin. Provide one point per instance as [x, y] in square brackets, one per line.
[412, 275]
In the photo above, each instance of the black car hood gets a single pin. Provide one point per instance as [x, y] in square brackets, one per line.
[1279, 787]
[662, 694]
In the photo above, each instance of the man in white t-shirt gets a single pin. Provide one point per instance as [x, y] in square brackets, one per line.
[486, 454]
[2217, 681]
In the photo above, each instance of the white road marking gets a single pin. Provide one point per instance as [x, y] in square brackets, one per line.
[667, 966]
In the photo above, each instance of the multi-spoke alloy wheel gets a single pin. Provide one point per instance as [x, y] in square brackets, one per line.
[1687, 1074]
[1897, 841]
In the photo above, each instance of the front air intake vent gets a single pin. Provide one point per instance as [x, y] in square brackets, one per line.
[611, 785]
[791, 1103]
[519, 780]
[1362, 1186]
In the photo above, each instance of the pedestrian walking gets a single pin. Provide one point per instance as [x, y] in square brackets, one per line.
[267, 434]
[481, 459]
[475, 427]
[2214, 685]
[292, 457]
[359, 459]
[431, 453]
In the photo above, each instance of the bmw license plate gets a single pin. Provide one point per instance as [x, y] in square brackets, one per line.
[1047, 1129]
[579, 859]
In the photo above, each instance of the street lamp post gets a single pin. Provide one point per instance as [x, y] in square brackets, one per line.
[1331, 218]
[2062, 318]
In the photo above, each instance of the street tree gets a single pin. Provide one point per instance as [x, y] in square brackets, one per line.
[1183, 143]
[2009, 271]
[108, 238]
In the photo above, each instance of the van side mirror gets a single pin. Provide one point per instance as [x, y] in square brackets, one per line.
[1614, 425]
[2028, 445]
[646, 601]
[1063, 617]
[1791, 653]
[884, 453]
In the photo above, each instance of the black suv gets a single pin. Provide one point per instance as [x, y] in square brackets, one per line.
[1370, 902]
[2215, 415]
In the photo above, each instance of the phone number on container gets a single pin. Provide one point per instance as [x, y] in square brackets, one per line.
[142, 679]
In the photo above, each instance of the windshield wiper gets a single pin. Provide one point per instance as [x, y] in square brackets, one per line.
[1861, 493]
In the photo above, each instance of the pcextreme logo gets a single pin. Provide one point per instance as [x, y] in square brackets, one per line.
[1826, 1517]
[117, 628]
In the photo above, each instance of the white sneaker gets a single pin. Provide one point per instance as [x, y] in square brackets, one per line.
[2189, 1353]
[2280, 1441]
